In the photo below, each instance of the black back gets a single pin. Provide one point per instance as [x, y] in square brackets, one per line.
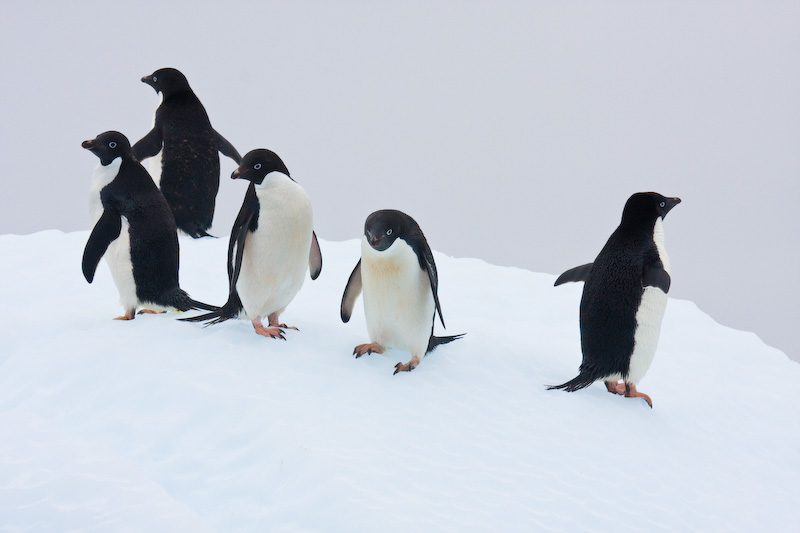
[153, 238]
[615, 284]
[189, 146]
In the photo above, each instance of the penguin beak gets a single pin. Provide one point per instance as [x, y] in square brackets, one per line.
[670, 203]
[236, 174]
[89, 145]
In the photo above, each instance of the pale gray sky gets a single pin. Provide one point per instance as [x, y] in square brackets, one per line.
[512, 131]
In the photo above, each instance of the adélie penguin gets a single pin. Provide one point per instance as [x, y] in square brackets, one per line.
[272, 246]
[187, 164]
[134, 229]
[624, 299]
[398, 277]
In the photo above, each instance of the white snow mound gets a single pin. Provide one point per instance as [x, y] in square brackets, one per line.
[161, 425]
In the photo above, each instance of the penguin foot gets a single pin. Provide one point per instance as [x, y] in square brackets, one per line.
[130, 314]
[408, 367]
[149, 312]
[631, 392]
[273, 322]
[362, 349]
[615, 387]
[271, 332]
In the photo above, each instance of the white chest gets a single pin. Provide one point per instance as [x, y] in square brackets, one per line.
[275, 256]
[102, 176]
[398, 300]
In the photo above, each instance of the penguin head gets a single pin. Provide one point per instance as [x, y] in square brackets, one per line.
[384, 227]
[167, 81]
[647, 207]
[257, 164]
[108, 146]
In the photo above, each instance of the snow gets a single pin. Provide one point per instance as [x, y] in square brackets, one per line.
[160, 425]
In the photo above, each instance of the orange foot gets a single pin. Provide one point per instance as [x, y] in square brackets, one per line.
[615, 387]
[372, 347]
[149, 312]
[129, 315]
[631, 392]
[272, 332]
[408, 367]
[273, 322]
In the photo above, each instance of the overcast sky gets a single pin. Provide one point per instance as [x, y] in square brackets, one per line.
[512, 131]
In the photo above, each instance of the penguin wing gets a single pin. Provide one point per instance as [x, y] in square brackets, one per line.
[226, 148]
[579, 273]
[314, 257]
[244, 221]
[149, 145]
[426, 260]
[656, 276]
[104, 232]
[351, 292]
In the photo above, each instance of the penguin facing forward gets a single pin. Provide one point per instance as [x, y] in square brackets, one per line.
[271, 247]
[134, 229]
[624, 299]
[187, 164]
[398, 277]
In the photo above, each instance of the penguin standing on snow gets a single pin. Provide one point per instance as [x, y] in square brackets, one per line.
[134, 230]
[624, 299]
[187, 166]
[398, 277]
[272, 245]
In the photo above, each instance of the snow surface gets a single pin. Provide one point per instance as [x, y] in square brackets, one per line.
[160, 425]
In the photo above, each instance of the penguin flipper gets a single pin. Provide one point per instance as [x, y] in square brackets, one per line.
[656, 276]
[226, 148]
[148, 146]
[104, 233]
[579, 273]
[351, 292]
[433, 276]
[314, 257]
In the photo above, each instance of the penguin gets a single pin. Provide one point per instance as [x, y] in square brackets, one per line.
[271, 247]
[134, 230]
[398, 276]
[624, 299]
[187, 164]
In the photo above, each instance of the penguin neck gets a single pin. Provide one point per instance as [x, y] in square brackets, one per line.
[658, 239]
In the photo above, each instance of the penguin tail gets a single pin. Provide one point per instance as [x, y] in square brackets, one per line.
[195, 229]
[231, 309]
[436, 341]
[579, 382]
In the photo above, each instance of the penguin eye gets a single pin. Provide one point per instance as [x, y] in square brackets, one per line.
[155, 78]
[257, 166]
[389, 231]
[662, 204]
[112, 144]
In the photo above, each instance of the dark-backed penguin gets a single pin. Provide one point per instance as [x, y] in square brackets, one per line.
[187, 164]
[398, 277]
[134, 229]
[272, 245]
[624, 299]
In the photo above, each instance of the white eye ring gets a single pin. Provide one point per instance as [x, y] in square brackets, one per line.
[257, 166]
[112, 144]
[663, 204]
[155, 78]
[389, 231]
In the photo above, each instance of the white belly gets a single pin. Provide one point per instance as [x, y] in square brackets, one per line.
[275, 257]
[118, 254]
[155, 168]
[398, 301]
[648, 320]
[649, 316]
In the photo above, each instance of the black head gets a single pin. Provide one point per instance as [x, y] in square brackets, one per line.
[647, 207]
[256, 164]
[108, 146]
[167, 81]
[383, 227]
